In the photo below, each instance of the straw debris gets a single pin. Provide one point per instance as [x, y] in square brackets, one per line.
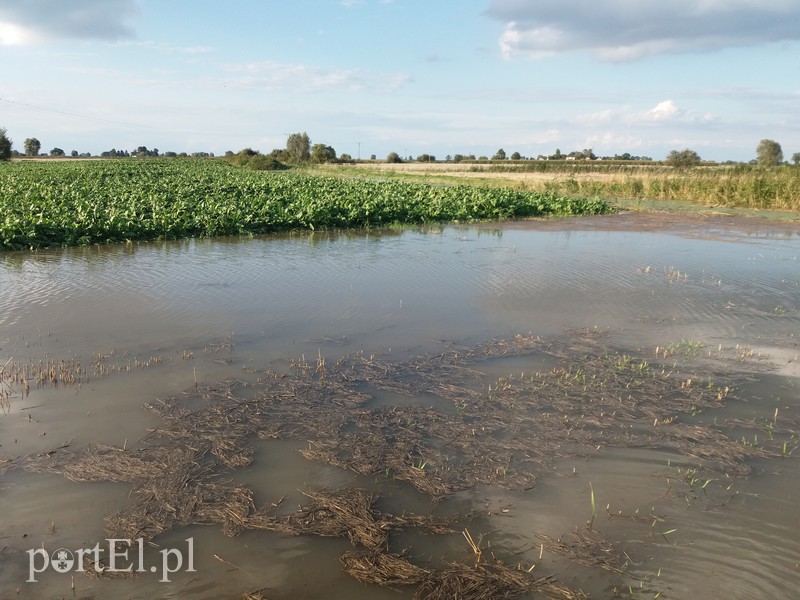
[504, 432]
[488, 582]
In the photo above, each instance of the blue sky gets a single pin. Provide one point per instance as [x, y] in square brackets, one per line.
[409, 76]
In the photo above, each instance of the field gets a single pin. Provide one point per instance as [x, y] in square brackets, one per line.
[626, 184]
[87, 202]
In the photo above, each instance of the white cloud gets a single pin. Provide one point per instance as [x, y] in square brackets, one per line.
[539, 42]
[663, 111]
[620, 30]
[601, 116]
[289, 77]
[31, 21]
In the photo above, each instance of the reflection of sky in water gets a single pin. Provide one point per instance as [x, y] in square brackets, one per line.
[401, 289]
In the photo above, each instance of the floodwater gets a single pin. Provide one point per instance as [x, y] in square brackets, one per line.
[166, 317]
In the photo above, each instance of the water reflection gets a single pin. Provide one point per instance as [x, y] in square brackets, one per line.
[400, 292]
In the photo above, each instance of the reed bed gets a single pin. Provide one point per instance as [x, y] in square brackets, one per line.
[738, 187]
[504, 433]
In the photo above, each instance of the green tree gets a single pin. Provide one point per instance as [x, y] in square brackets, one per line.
[298, 148]
[393, 157]
[516, 156]
[32, 147]
[56, 152]
[796, 158]
[499, 155]
[5, 145]
[320, 153]
[769, 153]
[683, 158]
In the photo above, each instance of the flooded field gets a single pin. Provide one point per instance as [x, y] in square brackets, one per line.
[596, 407]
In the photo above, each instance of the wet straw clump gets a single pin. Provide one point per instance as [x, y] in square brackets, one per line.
[503, 433]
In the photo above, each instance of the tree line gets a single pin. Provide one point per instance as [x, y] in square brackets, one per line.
[768, 154]
[299, 150]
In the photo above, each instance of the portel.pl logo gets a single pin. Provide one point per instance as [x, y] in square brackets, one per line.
[121, 556]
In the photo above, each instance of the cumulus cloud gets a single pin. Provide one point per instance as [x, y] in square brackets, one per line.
[31, 21]
[620, 30]
[662, 113]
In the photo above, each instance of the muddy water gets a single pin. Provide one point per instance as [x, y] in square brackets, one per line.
[160, 318]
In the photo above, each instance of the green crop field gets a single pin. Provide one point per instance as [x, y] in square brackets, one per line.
[66, 203]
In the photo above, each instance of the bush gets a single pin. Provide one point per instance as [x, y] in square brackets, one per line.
[5, 145]
[252, 159]
[682, 159]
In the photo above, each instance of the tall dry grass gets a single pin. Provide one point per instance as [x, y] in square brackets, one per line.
[742, 187]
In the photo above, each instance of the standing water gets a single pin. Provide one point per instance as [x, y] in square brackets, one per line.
[608, 404]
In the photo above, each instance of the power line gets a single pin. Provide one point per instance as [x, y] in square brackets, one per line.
[114, 122]
[77, 115]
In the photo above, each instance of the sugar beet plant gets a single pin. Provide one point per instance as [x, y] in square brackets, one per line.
[83, 202]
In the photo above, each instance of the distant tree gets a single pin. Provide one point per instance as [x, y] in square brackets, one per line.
[170, 154]
[516, 156]
[499, 155]
[74, 154]
[56, 152]
[393, 157]
[320, 153]
[426, 158]
[458, 157]
[143, 151]
[448, 158]
[796, 158]
[5, 145]
[769, 153]
[32, 146]
[298, 148]
[346, 158]
[683, 158]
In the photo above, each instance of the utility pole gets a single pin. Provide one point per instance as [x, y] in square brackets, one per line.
[359, 150]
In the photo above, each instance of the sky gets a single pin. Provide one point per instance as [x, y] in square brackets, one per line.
[366, 77]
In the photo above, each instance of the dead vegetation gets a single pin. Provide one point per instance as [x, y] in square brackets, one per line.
[502, 433]
[488, 582]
